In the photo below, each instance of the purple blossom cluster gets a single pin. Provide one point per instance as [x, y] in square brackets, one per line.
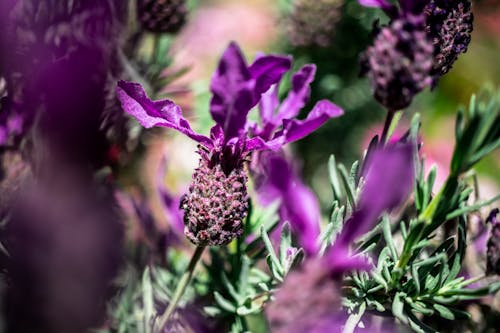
[419, 45]
[236, 88]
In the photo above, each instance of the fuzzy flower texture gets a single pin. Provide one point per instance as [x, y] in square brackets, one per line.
[217, 201]
[418, 46]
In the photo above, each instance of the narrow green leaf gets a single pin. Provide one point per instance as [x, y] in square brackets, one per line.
[224, 303]
[335, 179]
[285, 243]
[444, 311]
[386, 229]
[147, 300]
[398, 306]
[270, 250]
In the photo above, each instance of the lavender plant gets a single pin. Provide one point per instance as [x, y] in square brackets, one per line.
[248, 247]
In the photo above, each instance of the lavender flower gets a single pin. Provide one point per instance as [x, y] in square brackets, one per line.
[449, 23]
[309, 299]
[170, 202]
[298, 204]
[236, 89]
[161, 16]
[493, 246]
[398, 64]
[306, 302]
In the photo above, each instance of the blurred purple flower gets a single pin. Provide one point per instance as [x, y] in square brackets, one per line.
[298, 204]
[170, 203]
[310, 298]
[389, 179]
[236, 88]
[64, 240]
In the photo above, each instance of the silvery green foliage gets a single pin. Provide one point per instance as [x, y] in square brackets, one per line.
[423, 278]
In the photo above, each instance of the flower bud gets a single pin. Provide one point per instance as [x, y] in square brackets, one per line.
[162, 15]
[398, 64]
[449, 24]
[216, 204]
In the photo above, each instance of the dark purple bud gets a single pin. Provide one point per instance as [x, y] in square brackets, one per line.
[162, 15]
[493, 246]
[216, 203]
[399, 63]
[449, 24]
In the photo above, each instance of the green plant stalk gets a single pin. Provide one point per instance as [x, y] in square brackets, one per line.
[181, 287]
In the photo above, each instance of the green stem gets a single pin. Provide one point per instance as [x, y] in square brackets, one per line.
[387, 125]
[181, 287]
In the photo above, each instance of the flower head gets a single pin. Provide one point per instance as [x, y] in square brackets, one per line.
[449, 23]
[236, 88]
[447, 27]
[399, 63]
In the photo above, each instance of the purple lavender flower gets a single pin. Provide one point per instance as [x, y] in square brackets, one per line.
[310, 298]
[298, 204]
[170, 202]
[215, 205]
[448, 25]
[399, 63]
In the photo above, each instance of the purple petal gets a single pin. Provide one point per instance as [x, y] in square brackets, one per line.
[169, 202]
[384, 4]
[339, 260]
[233, 92]
[299, 94]
[268, 105]
[389, 180]
[299, 205]
[413, 6]
[297, 129]
[268, 70]
[150, 113]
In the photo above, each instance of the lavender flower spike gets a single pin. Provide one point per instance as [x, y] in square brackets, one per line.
[216, 203]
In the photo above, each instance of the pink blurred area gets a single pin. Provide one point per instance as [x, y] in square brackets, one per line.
[214, 24]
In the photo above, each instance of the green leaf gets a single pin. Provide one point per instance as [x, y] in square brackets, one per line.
[276, 265]
[398, 307]
[444, 311]
[147, 300]
[224, 303]
[472, 208]
[417, 325]
[230, 288]
[335, 179]
[286, 242]
[386, 229]
[244, 275]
